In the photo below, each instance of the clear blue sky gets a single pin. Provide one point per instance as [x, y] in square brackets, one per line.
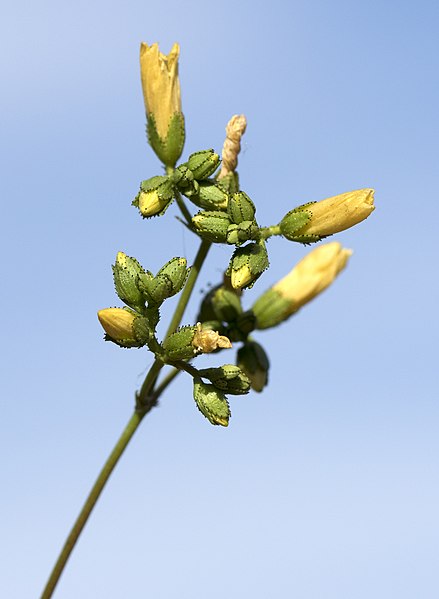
[325, 486]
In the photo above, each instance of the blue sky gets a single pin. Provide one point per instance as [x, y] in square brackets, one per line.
[326, 485]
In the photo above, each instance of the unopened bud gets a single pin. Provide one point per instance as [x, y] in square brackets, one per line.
[229, 378]
[210, 196]
[124, 327]
[169, 280]
[247, 265]
[226, 304]
[329, 216]
[253, 361]
[212, 403]
[203, 164]
[240, 208]
[155, 196]
[312, 275]
[212, 225]
[178, 346]
[126, 273]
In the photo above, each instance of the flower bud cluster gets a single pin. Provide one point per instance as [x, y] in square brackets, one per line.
[143, 293]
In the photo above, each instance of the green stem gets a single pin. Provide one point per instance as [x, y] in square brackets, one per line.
[145, 401]
[266, 232]
[90, 502]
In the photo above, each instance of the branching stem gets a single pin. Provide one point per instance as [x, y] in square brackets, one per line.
[146, 399]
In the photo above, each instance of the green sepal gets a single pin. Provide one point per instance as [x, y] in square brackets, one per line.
[270, 309]
[168, 150]
[253, 361]
[140, 332]
[212, 225]
[203, 164]
[141, 329]
[240, 208]
[178, 346]
[159, 289]
[212, 403]
[230, 183]
[155, 196]
[210, 196]
[295, 220]
[247, 264]
[177, 272]
[246, 230]
[228, 378]
[226, 304]
[126, 271]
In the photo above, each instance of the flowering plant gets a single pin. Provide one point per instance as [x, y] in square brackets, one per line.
[224, 214]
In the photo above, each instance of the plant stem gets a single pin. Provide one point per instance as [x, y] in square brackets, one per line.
[266, 232]
[146, 399]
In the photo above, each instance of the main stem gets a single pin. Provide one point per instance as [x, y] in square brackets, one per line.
[146, 400]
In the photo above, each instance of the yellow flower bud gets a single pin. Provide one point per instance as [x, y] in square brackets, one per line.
[161, 85]
[312, 275]
[118, 324]
[338, 213]
[241, 278]
[150, 203]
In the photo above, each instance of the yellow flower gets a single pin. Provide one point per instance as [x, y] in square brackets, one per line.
[161, 85]
[338, 213]
[312, 275]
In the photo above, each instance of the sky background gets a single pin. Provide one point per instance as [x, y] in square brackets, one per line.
[326, 485]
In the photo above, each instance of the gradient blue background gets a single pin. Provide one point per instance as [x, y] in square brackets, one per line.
[326, 485]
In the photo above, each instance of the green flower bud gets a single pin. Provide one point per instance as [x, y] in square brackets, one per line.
[253, 361]
[212, 225]
[212, 403]
[211, 196]
[293, 221]
[124, 327]
[237, 234]
[169, 280]
[155, 196]
[229, 378]
[178, 346]
[185, 181]
[203, 163]
[226, 304]
[240, 208]
[247, 265]
[126, 272]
